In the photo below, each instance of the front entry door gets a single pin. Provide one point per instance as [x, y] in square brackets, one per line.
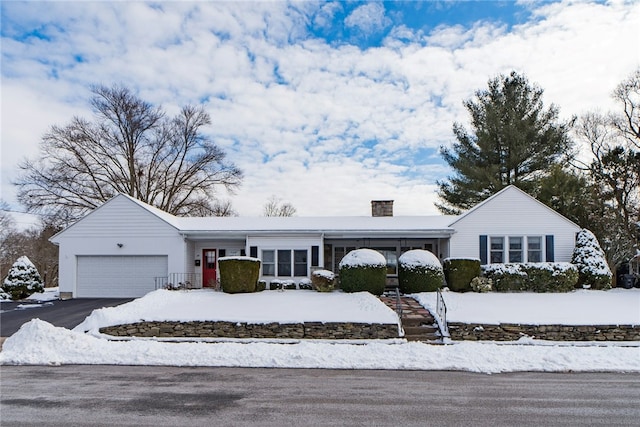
[209, 268]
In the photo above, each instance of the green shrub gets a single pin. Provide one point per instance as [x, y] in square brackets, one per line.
[323, 280]
[589, 258]
[262, 285]
[481, 284]
[239, 274]
[550, 276]
[506, 277]
[305, 284]
[419, 271]
[458, 273]
[532, 277]
[363, 270]
[23, 279]
[276, 284]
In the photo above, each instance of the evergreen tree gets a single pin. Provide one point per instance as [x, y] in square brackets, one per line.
[514, 140]
[23, 279]
[590, 260]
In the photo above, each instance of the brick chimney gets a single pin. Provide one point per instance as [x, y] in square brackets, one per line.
[382, 208]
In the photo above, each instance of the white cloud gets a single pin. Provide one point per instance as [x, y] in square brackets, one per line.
[369, 18]
[338, 126]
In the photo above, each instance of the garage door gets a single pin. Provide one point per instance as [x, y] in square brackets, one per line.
[118, 276]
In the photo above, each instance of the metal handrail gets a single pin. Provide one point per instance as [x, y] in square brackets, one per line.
[441, 310]
[179, 281]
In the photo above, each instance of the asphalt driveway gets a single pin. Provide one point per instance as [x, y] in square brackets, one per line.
[67, 314]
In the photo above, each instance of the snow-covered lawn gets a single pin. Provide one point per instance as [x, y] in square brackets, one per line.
[49, 294]
[38, 342]
[581, 307]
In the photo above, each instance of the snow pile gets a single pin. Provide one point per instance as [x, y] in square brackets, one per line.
[40, 343]
[363, 258]
[23, 279]
[580, 307]
[48, 294]
[418, 258]
[261, 307]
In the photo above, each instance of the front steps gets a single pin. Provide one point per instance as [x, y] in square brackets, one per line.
[417, 322]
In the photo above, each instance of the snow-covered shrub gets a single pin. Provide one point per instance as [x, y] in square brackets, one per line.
[305, 284]
[506, 277]
[419, 271]
[458, 273]
[532, 277]
[4, 295]
[363, 270]
[323, 280]
[239, 274]
[276, 284]
[262, 285]
[550, 276]
[481, 284]
[590, 260]
[23, 279]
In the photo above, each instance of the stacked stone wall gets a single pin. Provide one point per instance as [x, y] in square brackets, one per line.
[204, 329]
[512, 332]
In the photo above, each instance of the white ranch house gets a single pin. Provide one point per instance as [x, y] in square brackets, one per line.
[126, 248]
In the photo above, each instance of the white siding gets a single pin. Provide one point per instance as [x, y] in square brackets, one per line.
[512, 213]
[287, 242]
[118, 228]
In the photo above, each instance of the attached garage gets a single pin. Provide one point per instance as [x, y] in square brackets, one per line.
[118, 276]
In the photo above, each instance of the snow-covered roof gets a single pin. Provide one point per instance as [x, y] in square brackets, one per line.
[438, 224]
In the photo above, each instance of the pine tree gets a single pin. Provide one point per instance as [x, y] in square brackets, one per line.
[591, 262]
[514, 140]
[23, 279]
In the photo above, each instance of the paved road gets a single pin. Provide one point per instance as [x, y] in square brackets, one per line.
[68, 314]
[171, 396]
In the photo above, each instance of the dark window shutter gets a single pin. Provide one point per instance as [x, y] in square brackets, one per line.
[483, 250]
[253, 251]
[549, 248]
[222, 253]
[315, 256]
[243, 252]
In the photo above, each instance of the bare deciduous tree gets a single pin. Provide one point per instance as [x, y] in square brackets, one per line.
[129, 147]
[276, 207]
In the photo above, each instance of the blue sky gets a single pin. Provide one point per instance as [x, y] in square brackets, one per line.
[340, 102]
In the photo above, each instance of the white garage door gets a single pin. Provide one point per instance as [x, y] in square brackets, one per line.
[118, 276]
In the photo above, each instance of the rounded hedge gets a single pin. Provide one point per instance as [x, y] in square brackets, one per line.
[239, 274]
[419, 271]
[363, 270]
[459, 272]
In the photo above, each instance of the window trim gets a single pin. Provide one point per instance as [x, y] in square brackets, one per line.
[505, 252]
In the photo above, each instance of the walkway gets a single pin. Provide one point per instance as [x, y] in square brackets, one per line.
[417, 322]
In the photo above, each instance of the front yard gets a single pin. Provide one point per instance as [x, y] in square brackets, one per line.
[38, 342]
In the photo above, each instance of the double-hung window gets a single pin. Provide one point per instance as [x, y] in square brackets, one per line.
[534, 249]
[497, 250]
[515, 249]
[268, 263]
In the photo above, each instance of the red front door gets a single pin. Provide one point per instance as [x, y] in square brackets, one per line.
[209, 268]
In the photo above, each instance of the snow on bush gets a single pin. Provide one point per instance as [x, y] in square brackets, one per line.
[363, 270]
[363, 258]
[419, 271]
[536, 277]
[481, 284]
[323, 280]
[4, 295]
[591, 262]
[23, 279]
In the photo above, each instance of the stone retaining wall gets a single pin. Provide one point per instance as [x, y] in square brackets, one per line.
[512, 332]
[311, 330]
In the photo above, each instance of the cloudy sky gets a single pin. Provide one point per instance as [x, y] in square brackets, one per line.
[327, 105]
